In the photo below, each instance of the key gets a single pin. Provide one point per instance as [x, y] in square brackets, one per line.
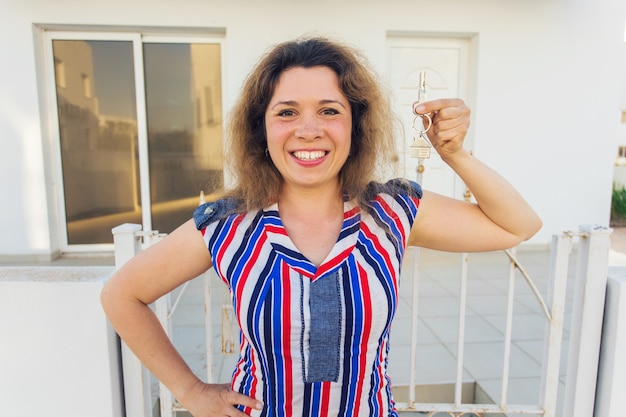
[420, 148]
[421, 92]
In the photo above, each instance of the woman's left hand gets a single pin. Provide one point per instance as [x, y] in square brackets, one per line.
[499, 219]
[450, 123]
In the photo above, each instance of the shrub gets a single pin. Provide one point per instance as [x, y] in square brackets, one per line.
[618, 206]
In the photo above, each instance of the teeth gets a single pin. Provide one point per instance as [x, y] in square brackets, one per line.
[309, 156]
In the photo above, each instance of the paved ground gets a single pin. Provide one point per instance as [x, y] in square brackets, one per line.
[618, 239]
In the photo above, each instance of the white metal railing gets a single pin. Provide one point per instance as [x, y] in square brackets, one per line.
[128, 241]
[584, 342]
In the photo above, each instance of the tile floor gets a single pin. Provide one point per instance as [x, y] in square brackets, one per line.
[484, 324]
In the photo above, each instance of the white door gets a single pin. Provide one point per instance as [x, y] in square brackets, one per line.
[446, 63]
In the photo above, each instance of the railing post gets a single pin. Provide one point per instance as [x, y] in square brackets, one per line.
[136, 377]
[611, 377]
[208, 325]
[586, 325]
[414, 324]
[162, 309]
[126, 242]
[559, 261]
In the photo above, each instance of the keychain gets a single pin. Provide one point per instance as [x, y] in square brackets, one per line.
[421, 146]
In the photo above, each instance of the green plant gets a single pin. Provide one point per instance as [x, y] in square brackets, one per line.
[618, 203]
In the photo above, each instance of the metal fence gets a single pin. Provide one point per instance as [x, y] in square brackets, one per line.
[587, 308]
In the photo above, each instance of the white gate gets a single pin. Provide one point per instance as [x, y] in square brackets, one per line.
[585, 332]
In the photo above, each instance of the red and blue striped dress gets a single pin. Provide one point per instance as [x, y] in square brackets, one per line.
[314, 340]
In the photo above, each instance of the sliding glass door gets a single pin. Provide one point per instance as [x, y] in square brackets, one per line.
[137, 123]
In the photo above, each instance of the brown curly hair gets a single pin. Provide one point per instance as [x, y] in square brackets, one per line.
[257, 181]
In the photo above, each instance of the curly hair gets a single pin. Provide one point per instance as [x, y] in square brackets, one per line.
[257, 181]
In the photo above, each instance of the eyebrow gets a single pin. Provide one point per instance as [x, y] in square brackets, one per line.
[293, 103]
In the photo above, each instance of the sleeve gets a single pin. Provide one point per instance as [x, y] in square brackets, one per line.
[395, 188]
[402, 186]
[394, 207]
[407, 195]
[416, 189]
[211, 219]
[207, 213]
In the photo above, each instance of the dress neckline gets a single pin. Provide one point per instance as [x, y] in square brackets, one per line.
[276, 234]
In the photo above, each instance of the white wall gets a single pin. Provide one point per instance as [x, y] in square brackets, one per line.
[621, 141]
[53, 326]
[547, 95]
[623, 94]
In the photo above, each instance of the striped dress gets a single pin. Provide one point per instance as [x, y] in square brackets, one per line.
[314, 340]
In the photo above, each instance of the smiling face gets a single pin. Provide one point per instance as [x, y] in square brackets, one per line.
[308, 125]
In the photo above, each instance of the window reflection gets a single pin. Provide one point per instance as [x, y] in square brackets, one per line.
[98, 132]
[97, 110]
[183, 100]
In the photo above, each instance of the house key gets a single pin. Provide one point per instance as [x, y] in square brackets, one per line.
[421, 146]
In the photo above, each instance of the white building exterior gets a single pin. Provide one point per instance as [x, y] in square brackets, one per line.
[546, 80]
[543, 78]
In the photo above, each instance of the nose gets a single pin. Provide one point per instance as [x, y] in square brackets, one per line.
[309, 127]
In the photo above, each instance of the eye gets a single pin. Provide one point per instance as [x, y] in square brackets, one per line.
[330, 111]
[286, 113]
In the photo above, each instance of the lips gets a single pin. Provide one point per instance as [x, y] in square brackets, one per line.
[309, 155]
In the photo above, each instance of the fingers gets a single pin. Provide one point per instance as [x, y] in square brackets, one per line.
[235, 398]
[219, 400]
[449, 128]
[450, 123]
[452, 107]
[446, 114]
[232, 399]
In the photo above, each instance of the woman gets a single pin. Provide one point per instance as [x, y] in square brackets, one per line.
[308, 244]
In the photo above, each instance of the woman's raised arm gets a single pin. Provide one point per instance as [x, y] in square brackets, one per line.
[499, 219]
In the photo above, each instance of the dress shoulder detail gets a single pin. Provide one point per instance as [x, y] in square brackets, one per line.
[208, 213]
[395, 187]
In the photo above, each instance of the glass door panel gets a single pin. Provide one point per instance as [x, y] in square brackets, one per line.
[184, 118]
[96, 107]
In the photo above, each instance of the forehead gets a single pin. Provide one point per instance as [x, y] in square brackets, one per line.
[312, 80]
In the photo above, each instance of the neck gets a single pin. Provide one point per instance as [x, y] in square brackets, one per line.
[319, 202]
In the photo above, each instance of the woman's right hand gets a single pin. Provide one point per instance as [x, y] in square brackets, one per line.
[217, 400]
